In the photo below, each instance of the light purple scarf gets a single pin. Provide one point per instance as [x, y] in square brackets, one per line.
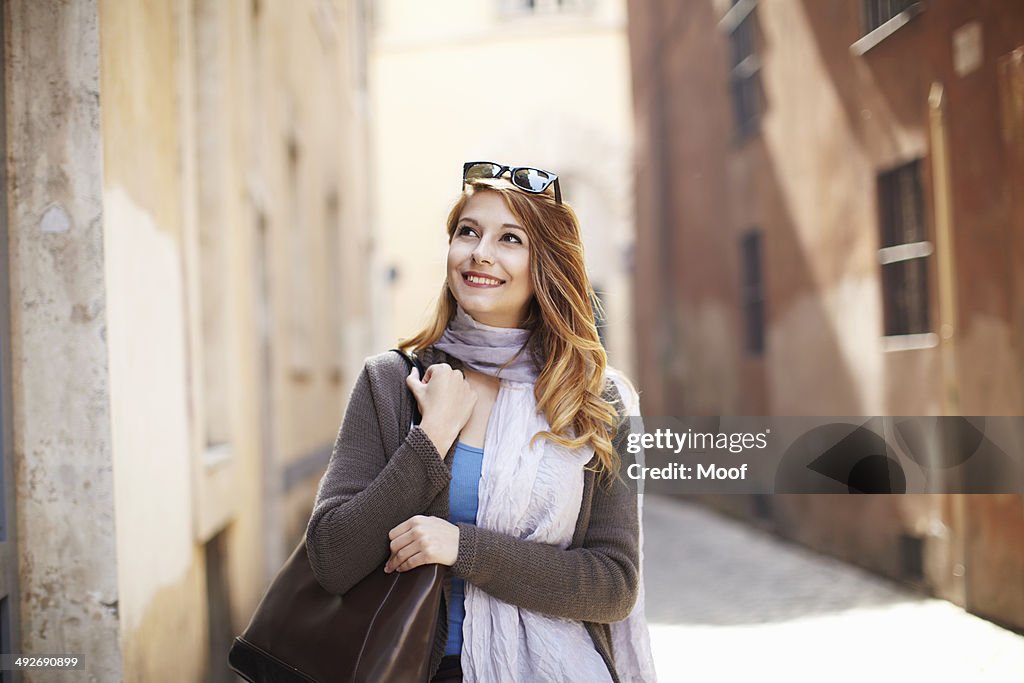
[534, 492]
[485, 348]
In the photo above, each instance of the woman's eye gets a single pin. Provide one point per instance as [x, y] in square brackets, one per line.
[513, 236]
[463, 230]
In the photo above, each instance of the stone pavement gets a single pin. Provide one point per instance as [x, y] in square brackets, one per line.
[726, 602]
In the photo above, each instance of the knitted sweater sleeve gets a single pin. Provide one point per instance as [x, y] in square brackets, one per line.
[596, 582]
[365, 493]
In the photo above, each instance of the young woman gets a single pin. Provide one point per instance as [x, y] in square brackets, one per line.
[511, 478]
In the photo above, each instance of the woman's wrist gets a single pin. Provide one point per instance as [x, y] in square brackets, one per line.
[441, 437]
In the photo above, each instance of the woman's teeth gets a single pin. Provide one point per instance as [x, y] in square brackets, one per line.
[482, 281]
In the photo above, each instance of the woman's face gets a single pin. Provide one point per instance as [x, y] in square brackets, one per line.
[489, 262]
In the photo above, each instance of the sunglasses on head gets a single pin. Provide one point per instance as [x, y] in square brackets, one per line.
[525, 178]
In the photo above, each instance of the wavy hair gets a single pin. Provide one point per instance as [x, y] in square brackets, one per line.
[563, 332]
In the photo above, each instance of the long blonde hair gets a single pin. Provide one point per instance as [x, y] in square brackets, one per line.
[569, 389]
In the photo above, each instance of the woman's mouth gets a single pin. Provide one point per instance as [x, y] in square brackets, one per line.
[474, 280]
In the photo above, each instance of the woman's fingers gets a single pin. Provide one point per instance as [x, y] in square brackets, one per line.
[412, 380]
[398, 558]
[446, 401]
[413, 562]
[401, 541]
[402, 537]
[416, 387]
[436, 368]
[405, 526]
[422, 540]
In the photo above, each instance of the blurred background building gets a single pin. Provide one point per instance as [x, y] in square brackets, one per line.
[830, 221]
[541, 83]
[188, 304]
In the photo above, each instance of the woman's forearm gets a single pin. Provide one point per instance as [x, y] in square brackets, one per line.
[597, 582]
[579, 583]
[347, 535]
[363, 495]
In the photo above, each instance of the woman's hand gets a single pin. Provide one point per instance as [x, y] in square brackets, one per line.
[422, 540]
[446, 403]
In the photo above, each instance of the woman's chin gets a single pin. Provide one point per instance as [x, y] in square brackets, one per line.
[487, 315]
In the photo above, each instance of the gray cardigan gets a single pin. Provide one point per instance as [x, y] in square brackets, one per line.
[381, 473]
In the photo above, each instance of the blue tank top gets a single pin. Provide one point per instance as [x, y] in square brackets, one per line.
[462, 507]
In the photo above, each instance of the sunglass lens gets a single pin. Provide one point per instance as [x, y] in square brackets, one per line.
[532, 179]
[483, 171]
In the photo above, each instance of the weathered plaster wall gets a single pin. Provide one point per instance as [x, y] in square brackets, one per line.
[60, 393]
[136, 132]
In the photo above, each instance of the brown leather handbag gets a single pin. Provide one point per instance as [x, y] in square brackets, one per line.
[381, 630]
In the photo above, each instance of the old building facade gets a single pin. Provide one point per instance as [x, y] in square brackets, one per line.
[186, 306]
[830, 222]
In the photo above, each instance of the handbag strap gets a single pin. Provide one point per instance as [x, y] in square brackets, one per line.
[412, 362]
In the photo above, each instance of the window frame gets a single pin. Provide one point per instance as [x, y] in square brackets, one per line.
[898, 251]
[873, 32]
[752, 298]
[746, 92]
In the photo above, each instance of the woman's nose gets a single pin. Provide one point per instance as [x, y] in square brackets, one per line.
[483, 252]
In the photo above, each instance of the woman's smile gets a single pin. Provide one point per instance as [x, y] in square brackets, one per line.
[474, 279]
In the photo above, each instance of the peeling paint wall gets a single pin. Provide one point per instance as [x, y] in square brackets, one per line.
[171, 164]
[232, 153]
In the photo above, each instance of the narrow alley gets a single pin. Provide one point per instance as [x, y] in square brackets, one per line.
[727, 602]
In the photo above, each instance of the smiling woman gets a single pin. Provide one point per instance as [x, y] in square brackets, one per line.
[510, 478]
[489, 262]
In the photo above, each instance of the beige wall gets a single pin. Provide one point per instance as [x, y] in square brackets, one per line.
[469, 81]
[185, 340]
[148, 349]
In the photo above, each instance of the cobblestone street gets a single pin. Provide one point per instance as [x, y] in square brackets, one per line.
[726, 602]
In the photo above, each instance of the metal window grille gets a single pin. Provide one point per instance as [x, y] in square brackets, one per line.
[752, 288]
[905, 250]
[745, 77]
[741, 40]
[877, 12]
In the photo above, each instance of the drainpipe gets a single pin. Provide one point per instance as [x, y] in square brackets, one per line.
[943, 202]
[956, 588]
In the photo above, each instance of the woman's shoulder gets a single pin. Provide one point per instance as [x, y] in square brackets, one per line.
[382, 384]
[385, 367]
